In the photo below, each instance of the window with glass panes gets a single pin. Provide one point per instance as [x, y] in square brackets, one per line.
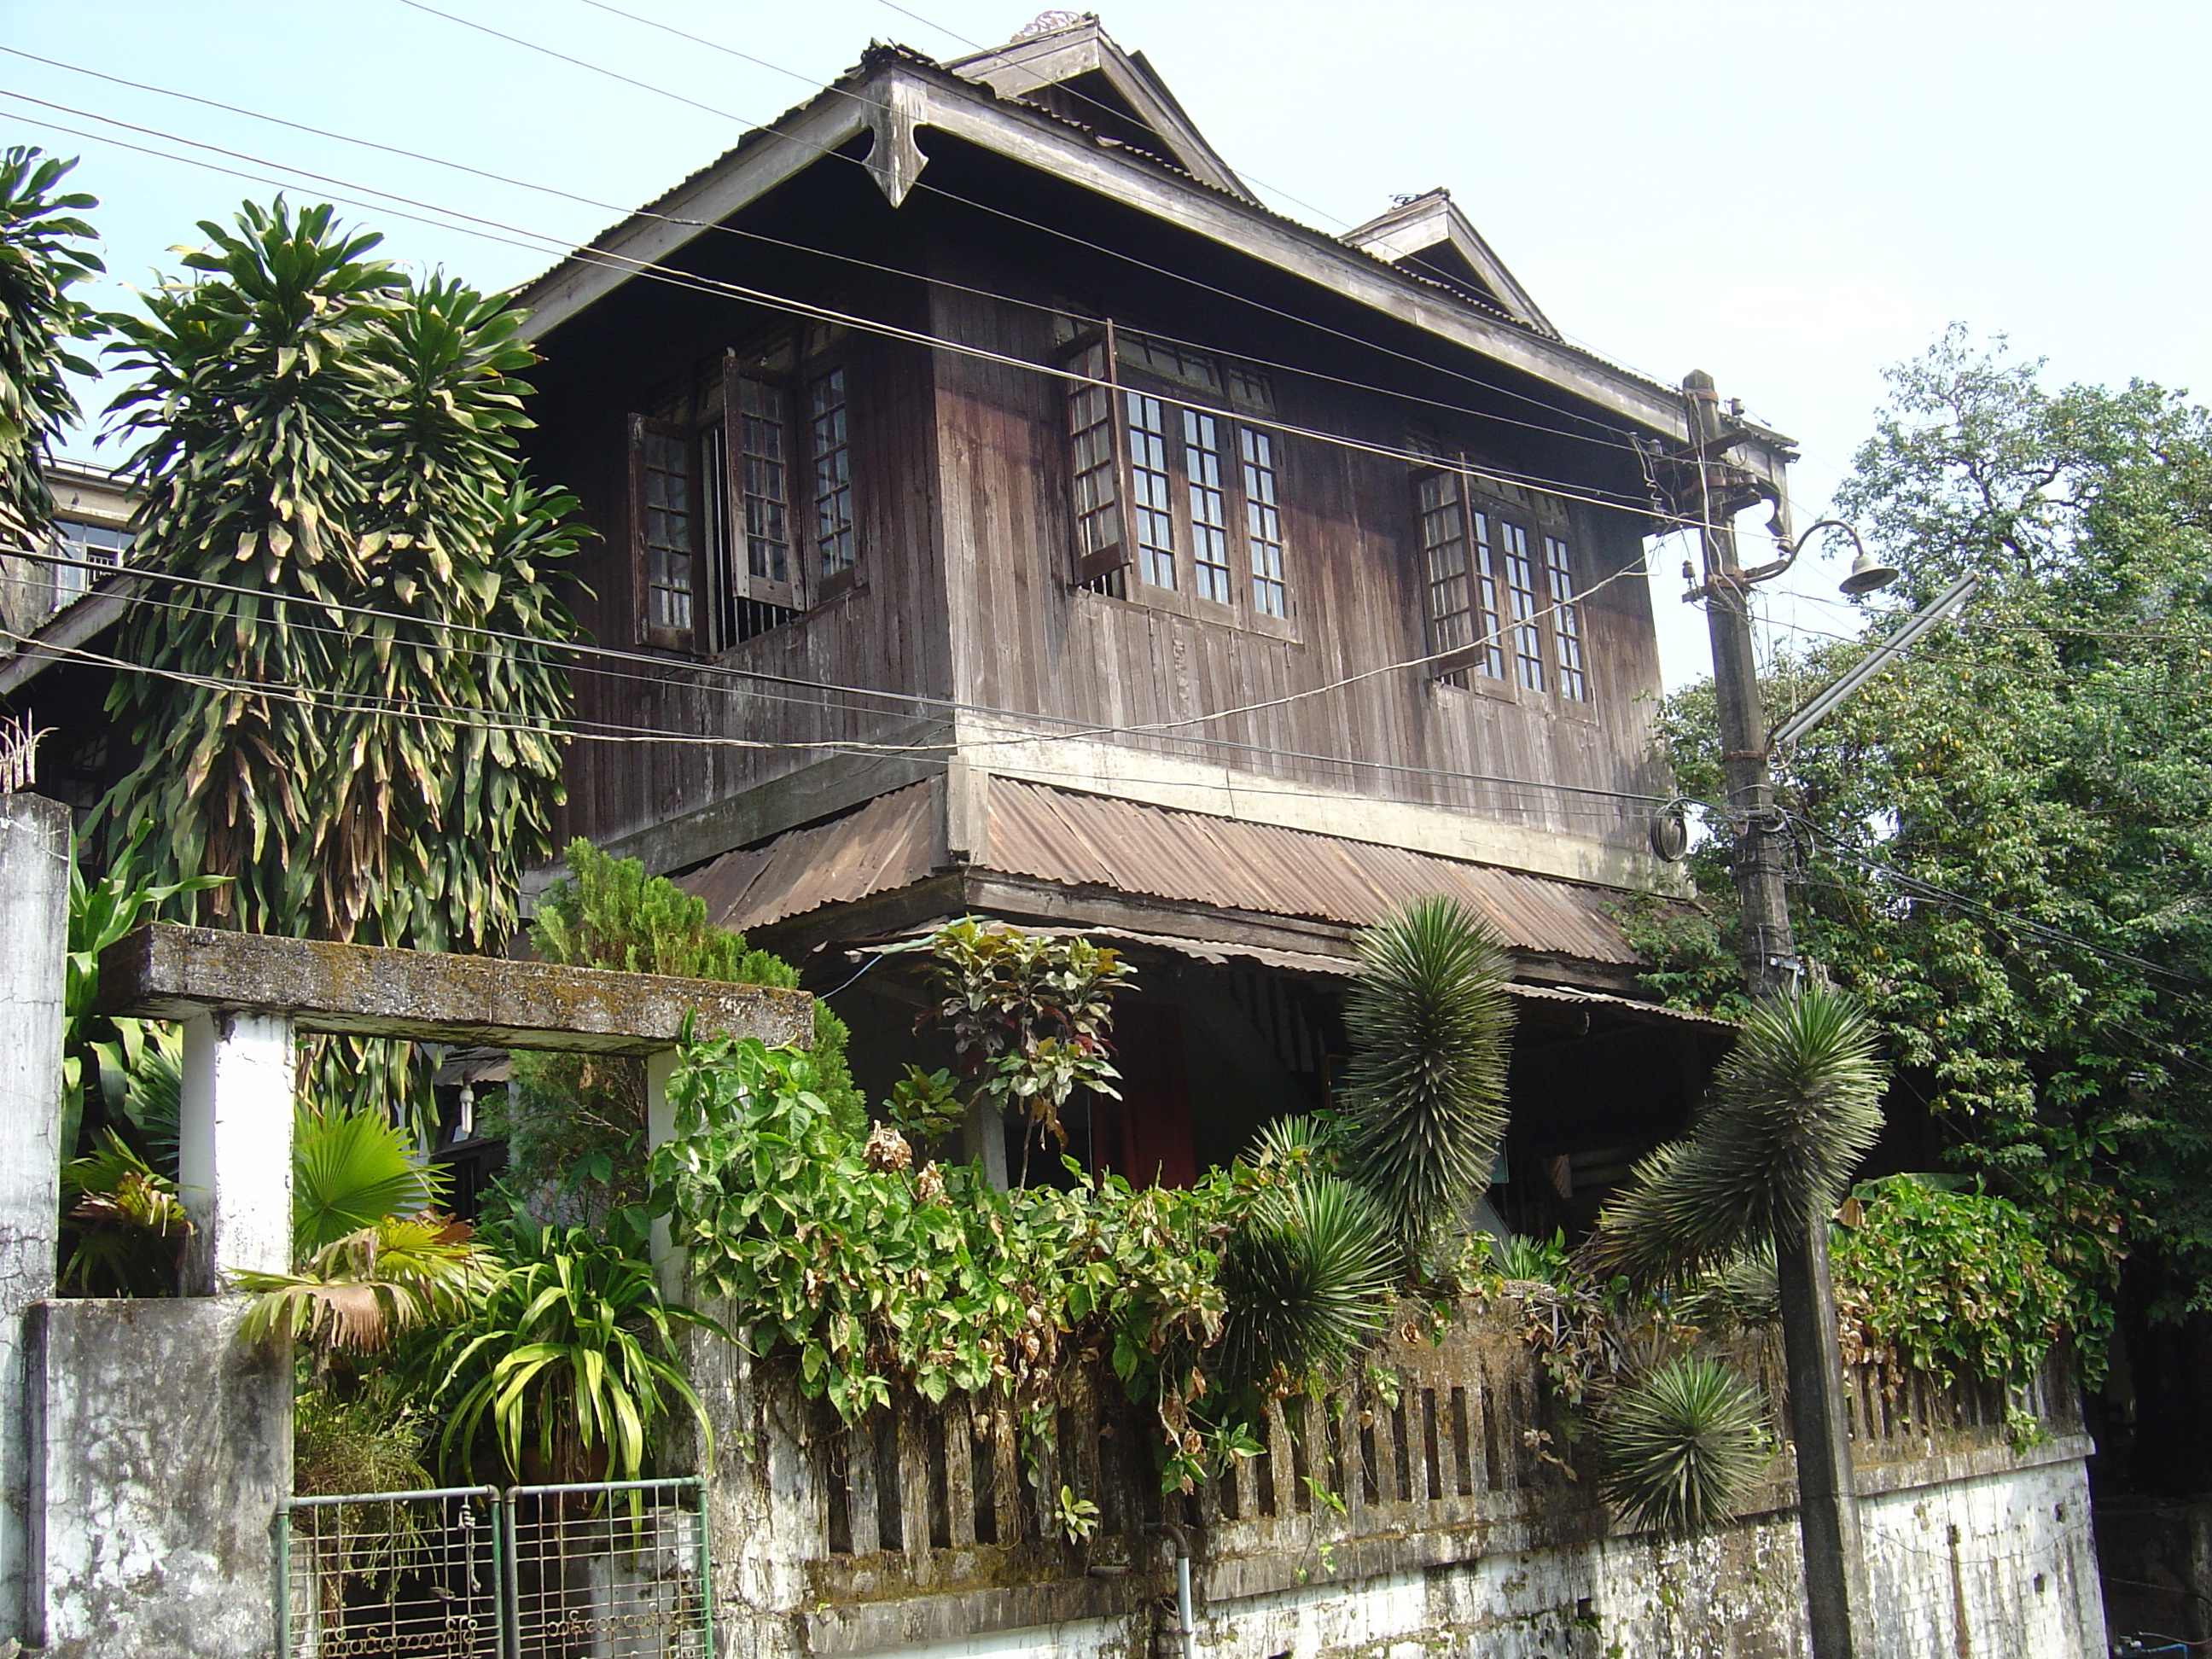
[1460, 583]
[742, 499]
[1174, 494]
[1500, 595]
[88, 549]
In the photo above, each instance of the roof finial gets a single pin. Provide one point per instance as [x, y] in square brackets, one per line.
[1050, 22]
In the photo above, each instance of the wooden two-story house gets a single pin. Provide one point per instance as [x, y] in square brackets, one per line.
[1007, 514]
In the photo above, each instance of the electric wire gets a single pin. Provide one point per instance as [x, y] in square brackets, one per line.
[496, 230]
[1038, 307]
[949, 705]
[369, 703]
[1001, 359]
[1609, 436]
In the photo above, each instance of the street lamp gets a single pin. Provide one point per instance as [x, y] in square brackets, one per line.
[1828, 1503]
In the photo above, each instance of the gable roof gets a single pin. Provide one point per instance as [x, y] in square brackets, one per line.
[1101, 87]
[1427, 235]
[895, 92]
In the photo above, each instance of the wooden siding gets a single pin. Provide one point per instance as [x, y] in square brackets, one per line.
[886, 634]
[1022, 641]
[961, 473]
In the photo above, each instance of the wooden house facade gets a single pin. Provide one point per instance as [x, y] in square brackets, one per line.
[1004, 512]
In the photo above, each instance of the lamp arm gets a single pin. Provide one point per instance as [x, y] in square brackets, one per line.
[1792, 546]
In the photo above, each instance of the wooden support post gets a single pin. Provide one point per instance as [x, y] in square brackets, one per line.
[234, 1147]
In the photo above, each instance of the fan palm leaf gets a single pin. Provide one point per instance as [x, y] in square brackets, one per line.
[353, 1294]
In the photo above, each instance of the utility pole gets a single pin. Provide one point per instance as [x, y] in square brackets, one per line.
[1828, 1503]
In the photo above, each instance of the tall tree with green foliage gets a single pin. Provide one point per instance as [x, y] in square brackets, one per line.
[43, 255]
[2004, 844]
[367, 738]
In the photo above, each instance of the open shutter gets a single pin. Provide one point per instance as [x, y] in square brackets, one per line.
[1098, 457]
[666, 528]
[762, 487]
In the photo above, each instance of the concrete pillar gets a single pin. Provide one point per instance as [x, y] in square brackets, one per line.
[661, 1126]
[234, 1147]
[34, 853]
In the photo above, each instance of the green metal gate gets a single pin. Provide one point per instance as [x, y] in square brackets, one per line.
[602, 1570]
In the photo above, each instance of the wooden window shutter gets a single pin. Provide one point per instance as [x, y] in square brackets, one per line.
[1098, 457]
[765, 549]
[666, 526]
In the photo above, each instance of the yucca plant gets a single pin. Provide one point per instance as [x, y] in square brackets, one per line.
[318, 428]
[1308, 1278]
[573, 1358]
[1794, 1107]
[1425, 1098]
[356, 1292]
[1683, 1446]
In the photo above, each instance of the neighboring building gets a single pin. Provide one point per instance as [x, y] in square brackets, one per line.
[1014, 516]
[90, 530]
[67, 596]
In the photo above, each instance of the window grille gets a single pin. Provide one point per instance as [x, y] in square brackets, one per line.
[1521, 593]
[1209, 506]
[1150, 489]
[1263, 523]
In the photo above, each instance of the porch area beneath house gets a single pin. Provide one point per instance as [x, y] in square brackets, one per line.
[1241, 935]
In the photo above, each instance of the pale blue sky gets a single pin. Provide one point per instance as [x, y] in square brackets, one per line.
[1789, 196]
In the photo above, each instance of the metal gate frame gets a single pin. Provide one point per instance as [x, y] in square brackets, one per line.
[504, 1547]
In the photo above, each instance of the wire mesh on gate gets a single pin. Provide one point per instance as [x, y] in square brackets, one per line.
[613, 1571]
[414, 1573]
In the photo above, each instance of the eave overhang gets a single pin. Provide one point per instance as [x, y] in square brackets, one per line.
[895, 93]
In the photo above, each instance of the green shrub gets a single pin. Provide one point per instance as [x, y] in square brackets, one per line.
[1950, 1281]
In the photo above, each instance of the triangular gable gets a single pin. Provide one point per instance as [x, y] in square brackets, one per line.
[1072, 69]
[1427, 235]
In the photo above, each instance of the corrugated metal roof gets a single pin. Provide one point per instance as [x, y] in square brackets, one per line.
[1077, 840]
[1094, 840]
[888, 844]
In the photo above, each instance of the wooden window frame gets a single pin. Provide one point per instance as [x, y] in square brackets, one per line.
[1113, 567]
[1496, 662]
[735, 554]
[1115, 549]
[722, 580]
[648, 633]
[825, 586]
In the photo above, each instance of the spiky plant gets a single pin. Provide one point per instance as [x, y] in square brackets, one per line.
[1425, 1098]
[1307, 1277]
[1683, 1446]
[1794, 1107]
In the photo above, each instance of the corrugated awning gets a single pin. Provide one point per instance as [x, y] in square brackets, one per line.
[1079, 839]
[1082, 841]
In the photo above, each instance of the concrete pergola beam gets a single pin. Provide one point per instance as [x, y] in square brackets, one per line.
[243, 998]
[167, 972]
